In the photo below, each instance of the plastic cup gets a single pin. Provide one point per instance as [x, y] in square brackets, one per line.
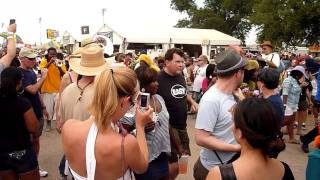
[183, 164]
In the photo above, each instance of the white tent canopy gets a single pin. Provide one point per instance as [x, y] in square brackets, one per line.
[178, 36]
[162, 35]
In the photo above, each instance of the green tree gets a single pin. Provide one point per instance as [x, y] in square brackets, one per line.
[290, 21]
[293, 22]
[228, 16]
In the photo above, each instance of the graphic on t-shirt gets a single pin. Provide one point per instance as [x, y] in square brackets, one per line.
[178, 91]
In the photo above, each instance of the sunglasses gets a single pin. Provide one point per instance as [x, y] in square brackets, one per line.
[31, 59]
[133, 101]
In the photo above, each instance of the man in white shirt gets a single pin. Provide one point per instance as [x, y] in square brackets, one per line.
[200, 75]
[271, 58]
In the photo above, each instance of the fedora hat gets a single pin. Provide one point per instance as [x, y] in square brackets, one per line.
[229, 60]
[90, 62]
[266, 43]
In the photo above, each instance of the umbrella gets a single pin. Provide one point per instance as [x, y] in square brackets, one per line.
[18, 38]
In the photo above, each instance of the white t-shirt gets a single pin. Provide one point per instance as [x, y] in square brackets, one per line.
[215, 117]
[200, 75]
[314, 87]
[274, 57]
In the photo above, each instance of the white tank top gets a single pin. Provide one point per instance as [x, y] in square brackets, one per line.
[91, 160]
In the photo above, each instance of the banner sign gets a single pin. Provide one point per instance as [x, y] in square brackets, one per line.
[84, 29]
[52, 34]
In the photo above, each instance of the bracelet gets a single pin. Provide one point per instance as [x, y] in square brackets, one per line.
[11, 33]
[10, 37]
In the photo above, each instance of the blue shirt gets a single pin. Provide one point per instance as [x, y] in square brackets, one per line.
[30, 78]
[277, 104]
[292, 89]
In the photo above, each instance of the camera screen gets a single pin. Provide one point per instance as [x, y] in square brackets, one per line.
[144, 100]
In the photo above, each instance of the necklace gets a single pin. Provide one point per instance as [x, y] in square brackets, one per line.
[82, 89]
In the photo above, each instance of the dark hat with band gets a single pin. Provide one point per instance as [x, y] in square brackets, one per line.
[229, 60]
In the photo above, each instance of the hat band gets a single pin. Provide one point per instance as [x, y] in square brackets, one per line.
[230, 68]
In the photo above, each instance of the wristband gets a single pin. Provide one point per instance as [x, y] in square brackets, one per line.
[10, 37]
[11, 33]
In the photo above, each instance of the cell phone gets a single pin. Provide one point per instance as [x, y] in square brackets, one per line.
[12, 21]
[144, 100]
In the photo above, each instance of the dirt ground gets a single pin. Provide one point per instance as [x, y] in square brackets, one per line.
[51, 153]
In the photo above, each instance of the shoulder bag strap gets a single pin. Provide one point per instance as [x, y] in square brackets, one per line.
[215, 152]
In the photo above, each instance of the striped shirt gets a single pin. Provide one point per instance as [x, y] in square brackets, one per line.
[158, 140]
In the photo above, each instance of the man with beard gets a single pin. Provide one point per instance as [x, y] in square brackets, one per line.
[214, 120]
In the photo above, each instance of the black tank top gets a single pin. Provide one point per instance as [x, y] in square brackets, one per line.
[227, 172]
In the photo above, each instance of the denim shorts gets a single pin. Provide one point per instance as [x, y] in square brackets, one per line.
[157, 169]
[21, 162]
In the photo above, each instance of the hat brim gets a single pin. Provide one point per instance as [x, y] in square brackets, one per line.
[241, 65]
[304, 73]
[270, 45]
[86, 71]
[31, 56]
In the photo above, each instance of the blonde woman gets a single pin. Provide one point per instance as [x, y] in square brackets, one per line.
[94, 148]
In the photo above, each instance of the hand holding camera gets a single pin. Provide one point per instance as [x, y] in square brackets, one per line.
[143, 118]
[12, 26]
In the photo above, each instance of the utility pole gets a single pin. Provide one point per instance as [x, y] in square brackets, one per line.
[40, 19]
[103, 12]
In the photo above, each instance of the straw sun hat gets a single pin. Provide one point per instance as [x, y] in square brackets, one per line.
[90, 62]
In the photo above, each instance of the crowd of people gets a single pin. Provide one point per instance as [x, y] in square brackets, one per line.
[243, 106]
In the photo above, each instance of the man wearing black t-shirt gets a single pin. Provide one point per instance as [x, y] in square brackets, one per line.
[173, 89]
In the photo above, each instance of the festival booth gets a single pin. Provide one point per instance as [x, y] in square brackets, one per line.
[194, 41]
[314, 49]
[69, 42]
[156, 41]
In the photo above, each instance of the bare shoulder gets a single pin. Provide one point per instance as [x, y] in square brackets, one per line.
[73, 129]
[130, 142]
[214, 174]
[277, 165]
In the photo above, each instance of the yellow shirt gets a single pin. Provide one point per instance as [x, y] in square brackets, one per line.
[52, 82]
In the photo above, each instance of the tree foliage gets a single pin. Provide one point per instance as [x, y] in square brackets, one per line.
[282, 21]
[292, 22]
[228, 16]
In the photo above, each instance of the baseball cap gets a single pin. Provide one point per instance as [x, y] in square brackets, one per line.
[27, 52]
[229, 60]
